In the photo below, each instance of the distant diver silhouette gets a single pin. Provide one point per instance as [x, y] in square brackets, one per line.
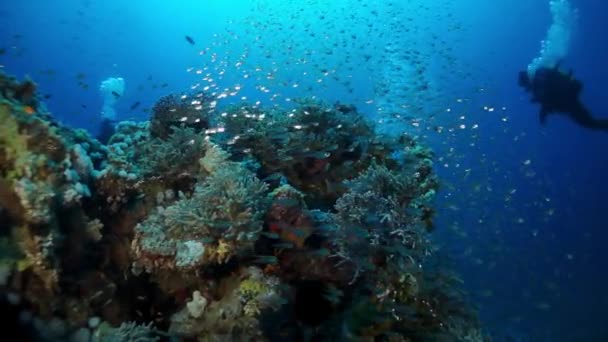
[558, 92]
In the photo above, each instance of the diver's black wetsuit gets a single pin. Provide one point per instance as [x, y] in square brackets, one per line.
[558, 92]
[106, 130]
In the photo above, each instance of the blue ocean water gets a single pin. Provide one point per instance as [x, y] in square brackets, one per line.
[521, 210]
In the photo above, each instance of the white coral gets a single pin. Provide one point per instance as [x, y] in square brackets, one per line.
[189, 253]
[197, 305]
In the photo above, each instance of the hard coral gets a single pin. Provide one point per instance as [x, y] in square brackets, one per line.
[222, 219]
[385, 206]
[178, 153]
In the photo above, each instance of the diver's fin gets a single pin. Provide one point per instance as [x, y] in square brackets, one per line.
[543, 115]
[523, 79]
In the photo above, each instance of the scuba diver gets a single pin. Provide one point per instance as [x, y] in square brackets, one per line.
[558, 92]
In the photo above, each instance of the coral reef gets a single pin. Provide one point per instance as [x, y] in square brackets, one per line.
[299, 224]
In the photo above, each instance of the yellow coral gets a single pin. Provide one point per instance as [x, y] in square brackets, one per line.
[220, 253]
[12, 141]
[251, 288]
[223, 251]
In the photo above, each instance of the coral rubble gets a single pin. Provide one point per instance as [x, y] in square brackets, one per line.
[297, 224]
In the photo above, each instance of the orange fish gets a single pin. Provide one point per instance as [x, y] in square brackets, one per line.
[29, 109]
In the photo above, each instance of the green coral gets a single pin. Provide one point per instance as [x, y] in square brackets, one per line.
[250, 288]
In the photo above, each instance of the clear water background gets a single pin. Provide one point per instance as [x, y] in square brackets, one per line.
[523, 208]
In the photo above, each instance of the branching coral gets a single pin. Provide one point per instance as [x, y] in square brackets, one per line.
[222, 219]
[382, 229]
[386, 207]
[179, 153]
[39, 257]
